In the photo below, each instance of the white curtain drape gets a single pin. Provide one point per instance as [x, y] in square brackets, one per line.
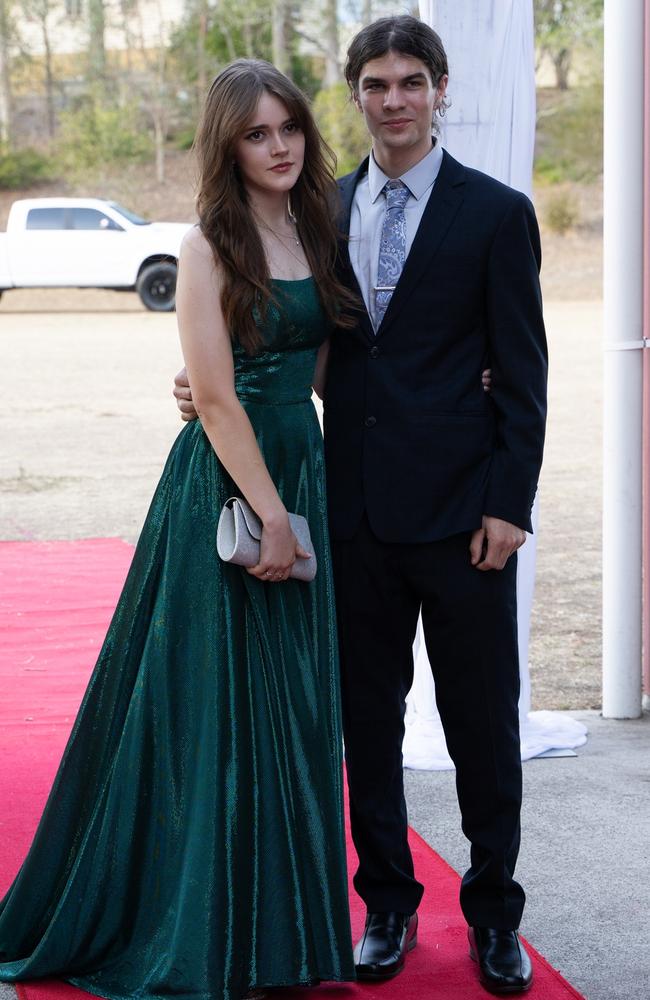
[490, 126]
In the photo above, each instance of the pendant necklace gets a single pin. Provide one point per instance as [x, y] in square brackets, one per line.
[290, 236]
[282, 243]
[281, 240]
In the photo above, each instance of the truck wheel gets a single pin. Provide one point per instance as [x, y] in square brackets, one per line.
[156, 286]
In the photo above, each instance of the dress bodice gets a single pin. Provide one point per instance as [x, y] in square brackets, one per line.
[293, 330]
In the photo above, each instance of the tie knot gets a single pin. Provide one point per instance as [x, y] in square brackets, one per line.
[397, 194]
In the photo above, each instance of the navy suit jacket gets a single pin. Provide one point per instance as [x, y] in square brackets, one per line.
[410, 436]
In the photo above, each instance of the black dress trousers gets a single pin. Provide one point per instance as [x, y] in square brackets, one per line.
[470, 628]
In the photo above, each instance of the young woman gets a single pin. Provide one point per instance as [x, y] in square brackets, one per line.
[193, 842]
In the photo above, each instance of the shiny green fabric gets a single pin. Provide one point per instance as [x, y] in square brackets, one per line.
[193, 842]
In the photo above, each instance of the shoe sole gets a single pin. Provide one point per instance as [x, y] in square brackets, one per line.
[498, 990]
[378, 976]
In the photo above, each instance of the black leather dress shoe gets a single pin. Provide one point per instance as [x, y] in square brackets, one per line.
[504, 962]
[381, 952]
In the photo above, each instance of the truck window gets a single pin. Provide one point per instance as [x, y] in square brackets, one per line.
[131, 216]
[45, 218]
[90, 218]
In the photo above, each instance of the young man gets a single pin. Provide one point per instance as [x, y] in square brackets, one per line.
[430, 488]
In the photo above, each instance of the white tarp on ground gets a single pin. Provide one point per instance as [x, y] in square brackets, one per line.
[490, 126]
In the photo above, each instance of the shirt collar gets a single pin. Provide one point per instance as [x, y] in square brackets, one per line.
[418, 179]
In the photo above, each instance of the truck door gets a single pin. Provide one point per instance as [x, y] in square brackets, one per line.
[69, 246]
[99, 247]
[35, 255]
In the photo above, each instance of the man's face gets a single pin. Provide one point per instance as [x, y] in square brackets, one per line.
[398, 100]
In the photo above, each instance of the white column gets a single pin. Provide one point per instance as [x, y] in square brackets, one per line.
[623, 311]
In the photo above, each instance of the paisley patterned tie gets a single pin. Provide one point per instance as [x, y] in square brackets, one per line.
[392, 247]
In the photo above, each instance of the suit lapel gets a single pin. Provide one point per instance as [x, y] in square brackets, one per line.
[347, 187]
[444, 202]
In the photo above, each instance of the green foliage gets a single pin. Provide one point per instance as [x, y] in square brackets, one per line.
[96, 135]
[562, 23]
[233, 30]
[185, 138]
[306, 75]
[569, 145]
[342, 126]
[564, 26]
[236, 30]
[21, 168]
[561, 212]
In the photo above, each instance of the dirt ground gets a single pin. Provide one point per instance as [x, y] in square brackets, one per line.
[88, 418]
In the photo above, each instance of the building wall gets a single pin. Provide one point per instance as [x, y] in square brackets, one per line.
[149, 21]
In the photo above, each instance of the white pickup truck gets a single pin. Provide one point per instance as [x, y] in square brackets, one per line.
[90, 243]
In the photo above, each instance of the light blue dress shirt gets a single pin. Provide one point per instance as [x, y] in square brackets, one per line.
[367, 217]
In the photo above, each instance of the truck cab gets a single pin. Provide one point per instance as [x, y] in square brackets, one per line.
[91, 243]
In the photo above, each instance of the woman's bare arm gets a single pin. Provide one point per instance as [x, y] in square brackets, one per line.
[207, 351]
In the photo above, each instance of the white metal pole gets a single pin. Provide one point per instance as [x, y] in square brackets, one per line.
[623, 326]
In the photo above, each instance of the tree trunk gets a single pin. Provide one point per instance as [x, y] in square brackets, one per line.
[366, 12]
[129, 41]
[49, 76]
[562, 64]
[160, 111]
[201, 72]
[230, 45]
[281, 53]
[331, 30]
[247, 31]
[96, 50]
[159, 131]
[5, 79]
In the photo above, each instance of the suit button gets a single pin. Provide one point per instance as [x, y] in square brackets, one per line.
[370, 421]
[374, 352]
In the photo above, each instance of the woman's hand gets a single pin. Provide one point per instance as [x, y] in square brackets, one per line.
[486, 380]
[279, 550]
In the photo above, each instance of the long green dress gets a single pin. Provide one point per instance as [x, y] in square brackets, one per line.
[193, 842]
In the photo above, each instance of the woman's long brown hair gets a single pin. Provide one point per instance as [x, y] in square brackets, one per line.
[222, 203]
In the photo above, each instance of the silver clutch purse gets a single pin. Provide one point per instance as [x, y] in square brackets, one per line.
[239, 534]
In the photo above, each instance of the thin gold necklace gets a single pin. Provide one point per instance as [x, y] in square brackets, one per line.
[279, 236]
[294, 255]
[287, 248]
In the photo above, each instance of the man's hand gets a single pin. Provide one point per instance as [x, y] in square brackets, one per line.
[493, 544]
[183, 395]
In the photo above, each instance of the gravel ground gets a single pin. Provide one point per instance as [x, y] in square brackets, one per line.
[87, 421]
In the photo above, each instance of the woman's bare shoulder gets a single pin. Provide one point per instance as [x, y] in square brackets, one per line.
[194, 242]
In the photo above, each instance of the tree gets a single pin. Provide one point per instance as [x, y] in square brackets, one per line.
[221, 31]
[96, 48]
[562, 26]
[150, 80]
[41, 11]
[342, 126]
[281, 35]
[331, 34]
[201, 37]
[5, 78]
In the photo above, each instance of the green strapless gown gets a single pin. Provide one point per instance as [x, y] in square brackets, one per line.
[193, 842]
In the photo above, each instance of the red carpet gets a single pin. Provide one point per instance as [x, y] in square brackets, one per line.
[56, 600]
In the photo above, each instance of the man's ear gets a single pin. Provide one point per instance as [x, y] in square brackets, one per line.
[355, 100]
[441, 90]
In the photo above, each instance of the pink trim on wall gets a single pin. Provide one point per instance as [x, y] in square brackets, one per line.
[646, 359]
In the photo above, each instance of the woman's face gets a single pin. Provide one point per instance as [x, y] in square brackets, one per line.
[271, 150]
